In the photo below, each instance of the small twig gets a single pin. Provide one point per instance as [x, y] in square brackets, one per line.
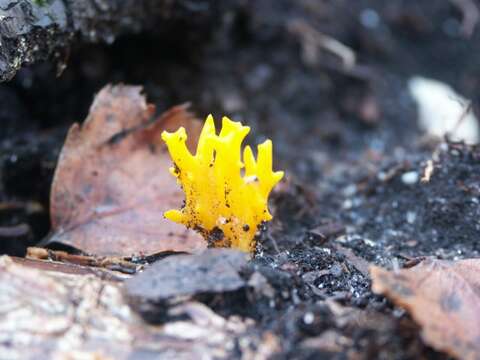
[30, 206]
[14, 231]
[111, 263]
[313, 40]
[467, 109]
[427, 174]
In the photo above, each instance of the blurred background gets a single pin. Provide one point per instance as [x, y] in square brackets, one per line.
[338, 85]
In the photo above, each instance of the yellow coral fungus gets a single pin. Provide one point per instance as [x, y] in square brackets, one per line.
[223, 204]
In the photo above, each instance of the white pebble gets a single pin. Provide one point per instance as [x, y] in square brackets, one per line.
[308, 318]
[410, 178]
[411, 217]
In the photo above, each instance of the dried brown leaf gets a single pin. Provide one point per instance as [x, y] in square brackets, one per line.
[443, 297]
[112, 184]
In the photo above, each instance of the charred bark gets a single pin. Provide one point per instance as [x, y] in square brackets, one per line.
[37, 30]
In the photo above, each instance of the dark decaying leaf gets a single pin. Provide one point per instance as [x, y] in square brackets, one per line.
[112, 184]
[444, 299]
[214, 271]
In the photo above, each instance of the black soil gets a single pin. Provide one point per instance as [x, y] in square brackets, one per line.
[345, 139]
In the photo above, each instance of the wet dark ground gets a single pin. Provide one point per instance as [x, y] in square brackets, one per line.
[345, 139]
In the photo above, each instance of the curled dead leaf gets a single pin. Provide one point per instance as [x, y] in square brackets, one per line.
[112, 184]
[443, 297]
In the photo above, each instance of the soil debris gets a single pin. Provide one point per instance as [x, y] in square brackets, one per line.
[397, 220]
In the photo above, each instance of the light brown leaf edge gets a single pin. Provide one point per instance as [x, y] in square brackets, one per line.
[112, 185]
[443, 297]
